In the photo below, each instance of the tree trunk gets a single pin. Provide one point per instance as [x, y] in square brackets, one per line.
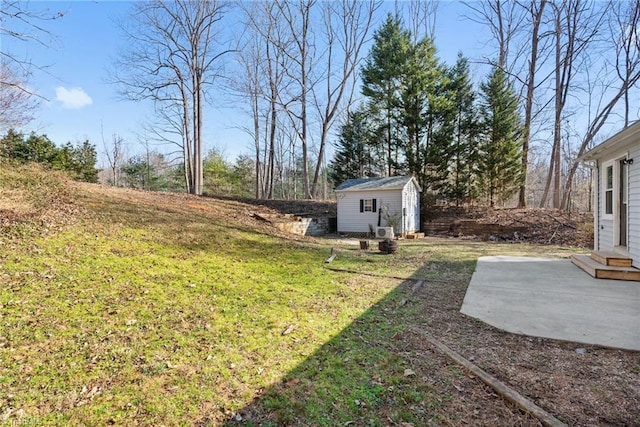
[536, 16]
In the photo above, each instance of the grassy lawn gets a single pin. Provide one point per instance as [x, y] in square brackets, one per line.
[163, 310]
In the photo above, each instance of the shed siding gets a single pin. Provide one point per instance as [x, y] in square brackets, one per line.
[351, 220]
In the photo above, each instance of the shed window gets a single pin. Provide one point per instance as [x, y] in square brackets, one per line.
[367, 205]
[608, 190]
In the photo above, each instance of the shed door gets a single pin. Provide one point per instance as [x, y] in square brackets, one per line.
[409, 210]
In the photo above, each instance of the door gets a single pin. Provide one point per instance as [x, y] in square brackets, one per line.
[622, 208]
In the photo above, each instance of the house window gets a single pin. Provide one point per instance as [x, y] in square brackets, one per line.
[367, 205]
[608, 189]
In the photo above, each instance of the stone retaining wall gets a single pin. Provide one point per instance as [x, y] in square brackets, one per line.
[308, 226]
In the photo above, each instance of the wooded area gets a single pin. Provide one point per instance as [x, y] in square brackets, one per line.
[365, 78]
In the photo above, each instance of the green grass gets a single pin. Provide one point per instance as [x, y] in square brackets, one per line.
[140, 314]
[159, 314]
[443, 259]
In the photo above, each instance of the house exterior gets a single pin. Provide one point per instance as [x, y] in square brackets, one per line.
[616, 174]
[366, 203]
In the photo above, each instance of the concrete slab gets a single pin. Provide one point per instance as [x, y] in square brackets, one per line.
[552, 298]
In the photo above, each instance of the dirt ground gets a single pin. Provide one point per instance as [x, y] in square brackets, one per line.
[581, 384]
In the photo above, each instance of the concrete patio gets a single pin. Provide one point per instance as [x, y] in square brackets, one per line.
[553, 298]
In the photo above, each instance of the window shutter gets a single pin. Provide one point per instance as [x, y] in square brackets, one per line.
[361, 205]
[374, 205]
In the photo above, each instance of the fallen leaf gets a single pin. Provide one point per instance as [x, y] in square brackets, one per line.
[408, 372]
[288, 330]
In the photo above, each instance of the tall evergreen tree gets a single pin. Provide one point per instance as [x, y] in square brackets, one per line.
[500, 155]
[464, 149]
[382, 79]
[353, 158]
[420, 98]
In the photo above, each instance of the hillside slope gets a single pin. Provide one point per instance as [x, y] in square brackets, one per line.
[34, 200]
[123, 307]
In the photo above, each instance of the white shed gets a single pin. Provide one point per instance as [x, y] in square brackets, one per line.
[616, 164]
[367, 203]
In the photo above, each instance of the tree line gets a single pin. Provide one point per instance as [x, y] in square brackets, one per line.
[420, 117]
[77, 160]
[560, 75]
[155, 171]
[299, 69]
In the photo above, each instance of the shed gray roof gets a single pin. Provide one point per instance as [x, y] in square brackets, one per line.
[369, 184]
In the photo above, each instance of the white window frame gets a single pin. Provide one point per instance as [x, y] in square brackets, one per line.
[368, 205]
[612, 190]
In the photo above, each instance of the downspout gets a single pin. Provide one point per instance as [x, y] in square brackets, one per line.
[629, 163]
[595, 202]
[596, 206]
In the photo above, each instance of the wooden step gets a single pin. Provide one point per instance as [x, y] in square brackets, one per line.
[611, 258]
[601, 271]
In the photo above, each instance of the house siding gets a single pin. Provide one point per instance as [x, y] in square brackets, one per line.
[625, 143]
[351, 220]
[606, 227]
[634, 207]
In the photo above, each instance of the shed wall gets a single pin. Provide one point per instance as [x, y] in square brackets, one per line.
[351, 220]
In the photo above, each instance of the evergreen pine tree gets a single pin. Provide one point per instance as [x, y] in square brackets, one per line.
[464, 149]
[382, 78]
[421, 102]
[500, 155]
[353, 158]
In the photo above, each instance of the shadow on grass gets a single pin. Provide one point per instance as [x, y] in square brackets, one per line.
[371, 373]
[358, 377]
[374, 374]
[379, 372]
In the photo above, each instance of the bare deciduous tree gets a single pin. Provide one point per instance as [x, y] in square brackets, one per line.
[535, 15]
[114, 152]
[421, 17]
[17, 104]
[504, 19]
[346, 29]
[172, 58]
[626, 69]
[20, 24]
[299, 51]
[626, 41]
[576, 24]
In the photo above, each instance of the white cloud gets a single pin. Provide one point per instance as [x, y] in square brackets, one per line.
[73, 98]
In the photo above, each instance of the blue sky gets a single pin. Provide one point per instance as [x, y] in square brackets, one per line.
[81, 103]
